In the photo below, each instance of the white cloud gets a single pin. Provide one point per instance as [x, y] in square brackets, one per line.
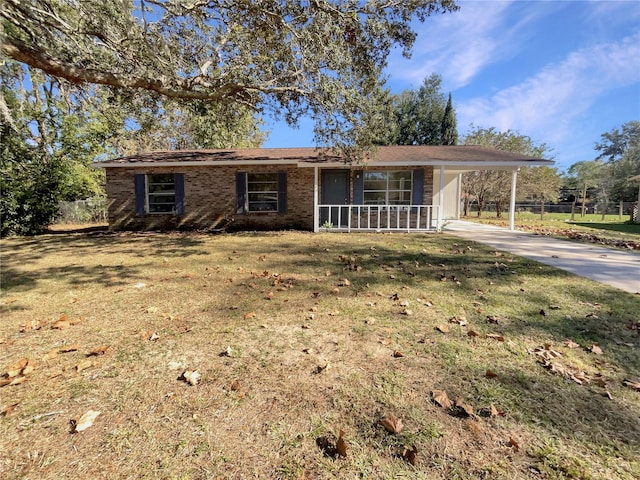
[460, 45]
[547, 103]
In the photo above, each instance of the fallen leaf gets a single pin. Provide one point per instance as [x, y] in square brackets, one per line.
[341, 445]
[71, 348]
[31, 325]
[7, 410]
[50, 354]
[406, 311]
[84, 364]
[570, 344]
[249, 315]
[490, 374]
[514, 444]
[344, 282]
[192, 377]
[322, 368]
[61, 323]
[492, 319]
[493, 410]
[442, 328]
[596, 349]
[410, 455]
[398, 354]
[101, 350]
[543, 313]
[441, 398]
[16, 368]
[635, 384]
[391, 423]
[235, 386]
[467, 409]
[495, 336]
[472, 333]
[85, 421]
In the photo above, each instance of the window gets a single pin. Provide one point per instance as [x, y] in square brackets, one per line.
[262, 192]
[161, 193]
[387, 188]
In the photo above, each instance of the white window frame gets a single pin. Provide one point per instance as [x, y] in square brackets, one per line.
[149, 194]
[273, 193]
[387, 190]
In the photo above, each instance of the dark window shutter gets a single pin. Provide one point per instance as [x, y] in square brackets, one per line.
[140, 193]
[179, 180]
[241, 192]
[418, 186]
[358, 187]
[282, 193]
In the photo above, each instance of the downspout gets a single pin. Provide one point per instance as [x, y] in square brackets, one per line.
[440, 200]
[512, 203]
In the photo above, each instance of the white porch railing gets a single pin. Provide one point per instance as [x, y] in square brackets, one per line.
[406, 218]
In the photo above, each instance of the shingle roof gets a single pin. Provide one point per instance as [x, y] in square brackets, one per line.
[398, 155]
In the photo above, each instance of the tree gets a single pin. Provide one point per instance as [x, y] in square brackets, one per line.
[320, 57]
[540, 183]
[494, 185]
[57, 131]
[621, 150]
[418, 115]
[448, 130]
[587, 175]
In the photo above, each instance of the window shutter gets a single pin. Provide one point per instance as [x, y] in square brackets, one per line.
[418, 186]
[139, 180]
[241, 192]
[179, 182]
[358, 187]
[282, 193]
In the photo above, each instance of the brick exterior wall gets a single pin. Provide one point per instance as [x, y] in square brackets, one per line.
[210, 198]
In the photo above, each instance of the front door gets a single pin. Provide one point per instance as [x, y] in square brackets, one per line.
[334, 191]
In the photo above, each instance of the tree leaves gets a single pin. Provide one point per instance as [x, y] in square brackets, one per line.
[85, 421]
[441, 398]
[391, 423]
[192, 377]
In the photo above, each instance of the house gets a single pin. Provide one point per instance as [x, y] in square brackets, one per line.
[407, 188]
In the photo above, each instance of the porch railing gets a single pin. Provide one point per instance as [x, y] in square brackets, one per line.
[406, 218]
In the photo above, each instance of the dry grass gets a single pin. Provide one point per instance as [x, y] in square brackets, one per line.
[260, 315]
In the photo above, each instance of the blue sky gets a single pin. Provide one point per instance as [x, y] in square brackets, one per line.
[561, 72]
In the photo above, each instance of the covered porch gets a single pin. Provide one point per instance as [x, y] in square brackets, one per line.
[339, 204]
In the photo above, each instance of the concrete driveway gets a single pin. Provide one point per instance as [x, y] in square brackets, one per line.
[617, 268]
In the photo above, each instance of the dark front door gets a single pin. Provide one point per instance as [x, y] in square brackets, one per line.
[334, 191]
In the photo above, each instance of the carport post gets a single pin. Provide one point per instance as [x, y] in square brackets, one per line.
[512, 203]
[440, 199]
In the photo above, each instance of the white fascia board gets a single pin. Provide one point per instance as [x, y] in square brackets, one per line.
[203, 163]
[462, 165]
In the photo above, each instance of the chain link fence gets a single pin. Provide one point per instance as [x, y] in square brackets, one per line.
[90, 210]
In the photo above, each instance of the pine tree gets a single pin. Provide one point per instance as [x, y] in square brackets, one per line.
[448, 130]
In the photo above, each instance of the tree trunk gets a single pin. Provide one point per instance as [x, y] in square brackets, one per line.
[573, 209]
[584, 199]
[542, 209]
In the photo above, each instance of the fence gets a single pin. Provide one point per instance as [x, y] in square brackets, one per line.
[609, 209]
[91, 210]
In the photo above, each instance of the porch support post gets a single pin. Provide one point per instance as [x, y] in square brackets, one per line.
[315, 200]
[440, 200]
[512, 203]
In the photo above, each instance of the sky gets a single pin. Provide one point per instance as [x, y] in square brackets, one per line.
[561, 72]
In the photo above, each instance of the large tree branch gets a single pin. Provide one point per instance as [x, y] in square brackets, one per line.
[181, 88]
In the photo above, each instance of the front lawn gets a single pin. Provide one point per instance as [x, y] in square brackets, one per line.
[493, 366]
